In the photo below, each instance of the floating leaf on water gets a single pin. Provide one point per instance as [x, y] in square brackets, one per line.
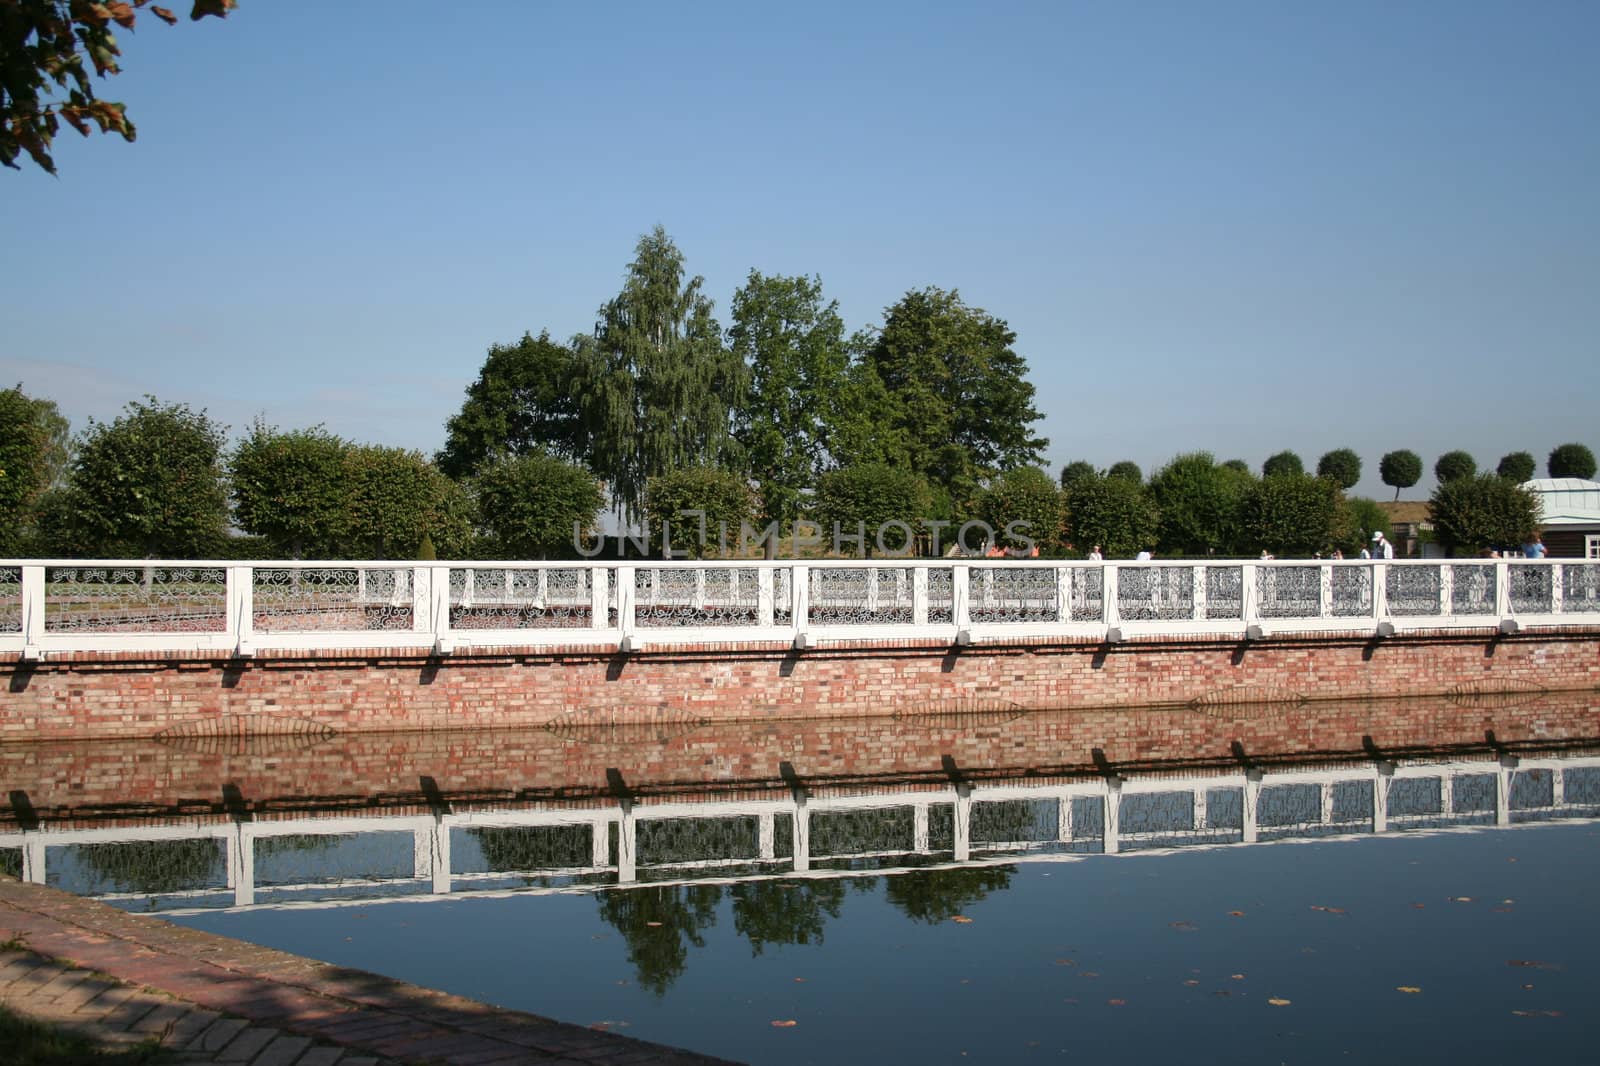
[800, 980]
[653, 925]
[1087, 973]
[1236, 914]
[1065, 962]
[1408, 989]
[1460, 899]
[961, 919]
[1279, 1002]
[784, 1023]
[1191, 982]
[1117, 1002]
[1237, 976]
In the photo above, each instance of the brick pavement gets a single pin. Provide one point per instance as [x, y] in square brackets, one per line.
[121, 979]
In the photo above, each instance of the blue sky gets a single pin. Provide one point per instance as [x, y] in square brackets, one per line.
[1235, 226]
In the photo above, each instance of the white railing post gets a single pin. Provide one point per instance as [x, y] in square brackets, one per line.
[1200, 814]
[800, 593]
[1249, 800]
[600, 598]
[1325, 591]
[439, 855]
[627, 845]
[1111, 820]
[1558, 595]
[1502, 795]
[919, 596]
[1249, 601]
[1447, 590]
[802, 833]
[1063, 595]
[1447, 785]
[1110, 612]
[963, 823]
[960, 600]
[1502, 590]
[766, 610]
[919, 828]
[439, 604]
[33, 858]
[1380, 799]
[1558, 787]
[1380, 592]
[241, 608]
[1063, 818]
[33, 605]
[241, 848]
[626, 584]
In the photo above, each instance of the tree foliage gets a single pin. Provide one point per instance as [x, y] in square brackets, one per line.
[149, 483]
[659, 386]
[529, 505]
[394, 498]
[1026, 496]
[1201, 505]
[1281, 463]
[1401, 468]
[289, 487]
[1113, 512]
[960, 398]
[1292, 514]
[1486, 511]
[1453, 465]
[25, 443]
[1075, 471]
[1360, 520]
[1237, 464]
[794, 347]
[524, 400]
[1126, 470]
[1571, 460]
[1517, 467]
[724, 497]
[1342, 466]
[870, 495]
[47, 48]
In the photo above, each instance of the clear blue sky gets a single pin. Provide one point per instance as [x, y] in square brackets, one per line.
[1238, 226]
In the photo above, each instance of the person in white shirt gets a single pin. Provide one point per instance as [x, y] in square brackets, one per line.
[1094, 554]
[1381, 548]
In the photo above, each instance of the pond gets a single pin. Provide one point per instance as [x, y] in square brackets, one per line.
[1310, 883]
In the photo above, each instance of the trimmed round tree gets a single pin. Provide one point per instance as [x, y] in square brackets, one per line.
[1452, 466]
[725, 498]
[1199, 503]
[1487, 511]
[1127, 470]
[1076, 470]
[289, 488]
[1517, 467]
[1401, 468]
[1571, 460]
[1285, 462]
[534, 505]
[870, 495]
[1342, 466]
[1237, 464]
[395, 497]
[1025, 496]
[1113, 512]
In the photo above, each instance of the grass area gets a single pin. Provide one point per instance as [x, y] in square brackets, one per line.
[30, 1043]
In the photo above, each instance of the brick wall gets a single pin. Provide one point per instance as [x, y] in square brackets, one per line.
[124, 695]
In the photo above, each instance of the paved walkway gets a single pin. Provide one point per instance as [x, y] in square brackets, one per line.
[122, 978]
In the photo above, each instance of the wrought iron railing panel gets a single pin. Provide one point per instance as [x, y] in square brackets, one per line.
[1531, 589]
[10, 599]
[701, 596]
[1471, 588]
[1284, 811]
[862, 831]
[1289, 591]
[332, 599]
[330, 860]
[1011, 594]
[1414, 591]
[521, 848]
[1155, 593]
[1580, 588]
[511, 598]
[139, 867]
[1224, 592]
[1351, 592]
[860, 595]
[941, 595]
[676, 841]
[136, 599]
[1088, 595]
[783, 596]
[1024, 821]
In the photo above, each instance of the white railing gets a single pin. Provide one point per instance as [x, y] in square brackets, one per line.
[57, 607]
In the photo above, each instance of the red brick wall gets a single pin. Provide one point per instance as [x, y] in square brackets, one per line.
[124, 695]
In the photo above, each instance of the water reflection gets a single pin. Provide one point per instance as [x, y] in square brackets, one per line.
[782, 824]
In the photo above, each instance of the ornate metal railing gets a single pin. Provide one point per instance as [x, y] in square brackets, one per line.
[239, 609]
[348, 856]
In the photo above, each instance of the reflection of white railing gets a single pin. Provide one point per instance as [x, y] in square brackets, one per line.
[239, 609]
[1113, 815]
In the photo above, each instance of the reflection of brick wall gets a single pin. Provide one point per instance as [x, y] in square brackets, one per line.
[98, 695]
[132, 780]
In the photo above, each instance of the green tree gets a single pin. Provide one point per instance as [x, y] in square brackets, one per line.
[935, 896]
[795, 350]
[46, 48]
[394, 498]
[784, 912]
[530, 504]
[860, 427]
[659, 387]
[1517, 467]
[1342, 466]
[1453, 465]
[1126, 470]
[150, 483]
[961, 400]
[1293, 514]
[1401, 468]
[289, 487]
[1076, 471]
[1201, 505]
[1486, 511]
[24, 464]
[725, 499]
[524, 400]
[1571, 460]
[659, 923]
[1361, 518]
[1027, 496]
[1237, 464]
[1285, 462]
[870, 495]
[1113, 512]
